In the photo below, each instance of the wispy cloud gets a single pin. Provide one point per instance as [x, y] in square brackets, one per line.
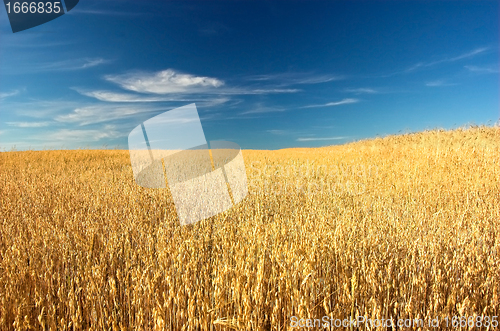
[491, 69]
[55, 138]
[277, 132]
[427, 64]
[212, 102]
[470, 54]
[332, 104]
[165, 82]
[104, 113]
[321, 139]
[92, 63]
[285, 79]
[109, 96]
[170, 82]
[361, 90]
[438, 83]
[240, 91]
[259, 109]
[5, 95]
[262, 109]
[466, 55]
[28, 124]
[74, 64]
[42, 109]
[82, 136]
[70, 65]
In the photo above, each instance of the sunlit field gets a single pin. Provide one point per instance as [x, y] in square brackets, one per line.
[402, 227]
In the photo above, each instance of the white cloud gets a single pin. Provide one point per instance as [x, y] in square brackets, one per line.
[321, 139]
[450, 59]
[70, 65]
[103, 113]
[331, 104]
[28, 124]
[212, 102]
[172, 82]
[108, 96]
[491, 69]
[470, 54]
[259, 91]
[110, 112]
[438, 83]
[277, 132]
[361, 90]
[5, 95]
[126, 97]
[65, 138]
[165, 82]
[259, 109]
[42, 109]
[71, 136]
[291, 78]
[93, 63]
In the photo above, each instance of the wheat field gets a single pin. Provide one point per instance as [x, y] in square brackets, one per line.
[401, 227]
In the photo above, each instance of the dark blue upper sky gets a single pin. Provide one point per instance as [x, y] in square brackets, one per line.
[264, 74]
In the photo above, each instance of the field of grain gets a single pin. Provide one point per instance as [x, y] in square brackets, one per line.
[399, 227]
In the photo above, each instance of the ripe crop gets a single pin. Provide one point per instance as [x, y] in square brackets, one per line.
[399, 227]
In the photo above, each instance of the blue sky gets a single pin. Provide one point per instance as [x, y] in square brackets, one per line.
[264, 74]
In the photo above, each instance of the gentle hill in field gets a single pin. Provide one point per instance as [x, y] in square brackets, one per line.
[475, 136]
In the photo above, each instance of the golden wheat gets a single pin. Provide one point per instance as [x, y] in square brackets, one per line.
[401, 227]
